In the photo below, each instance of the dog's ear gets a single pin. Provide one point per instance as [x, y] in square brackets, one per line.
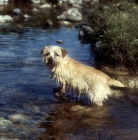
[41, 52]
[64, 52]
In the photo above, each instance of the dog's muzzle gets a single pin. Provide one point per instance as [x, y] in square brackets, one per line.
[50, 60]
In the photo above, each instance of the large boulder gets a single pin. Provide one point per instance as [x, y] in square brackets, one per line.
[71, 14]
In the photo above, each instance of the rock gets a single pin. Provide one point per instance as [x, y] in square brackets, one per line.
[36, 1]
[49, 22]
[96, 112]
[62, 17]
[3, 2]
[60, 42]
[27, 16]
[77, 108]
[65, 23]
[45, 6]
[35, 11]
[1, 19]
[71, 14]
[77, 6]
[17, 11]
[111, 71]
[122, 75]
[94, 2]
[5, 123]
[75, 1]
[6, 18]
[85, 33]
[60, 2]
[17, 118]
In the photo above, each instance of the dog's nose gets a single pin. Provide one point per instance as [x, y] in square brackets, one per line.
[50, 60]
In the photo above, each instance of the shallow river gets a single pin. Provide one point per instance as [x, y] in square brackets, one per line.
[28, 108]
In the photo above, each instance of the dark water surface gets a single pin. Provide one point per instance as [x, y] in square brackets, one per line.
[28, 109]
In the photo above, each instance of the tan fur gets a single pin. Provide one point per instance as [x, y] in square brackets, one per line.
[77, 77]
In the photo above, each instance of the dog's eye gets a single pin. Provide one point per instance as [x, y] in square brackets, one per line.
[56, 54]
[46, 54]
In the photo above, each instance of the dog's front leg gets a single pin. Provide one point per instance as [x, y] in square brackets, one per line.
[60, 91]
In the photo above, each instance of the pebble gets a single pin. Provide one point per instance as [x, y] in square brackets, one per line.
[60, 42]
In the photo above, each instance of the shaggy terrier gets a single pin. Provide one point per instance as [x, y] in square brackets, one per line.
[76, 76]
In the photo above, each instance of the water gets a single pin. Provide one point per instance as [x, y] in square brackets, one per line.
[28, 109]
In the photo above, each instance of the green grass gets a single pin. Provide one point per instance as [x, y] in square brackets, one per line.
[116, 28]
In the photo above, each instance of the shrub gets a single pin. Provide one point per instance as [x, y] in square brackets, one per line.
[116, 30]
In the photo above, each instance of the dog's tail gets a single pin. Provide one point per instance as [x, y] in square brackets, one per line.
[115, 83]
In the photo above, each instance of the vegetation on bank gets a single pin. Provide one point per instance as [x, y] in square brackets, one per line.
[115, 27]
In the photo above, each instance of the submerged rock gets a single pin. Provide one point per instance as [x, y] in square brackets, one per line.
[60, 41]
[17, 118]
[4, 123]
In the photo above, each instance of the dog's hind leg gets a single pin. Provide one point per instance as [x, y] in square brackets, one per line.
[95, 99]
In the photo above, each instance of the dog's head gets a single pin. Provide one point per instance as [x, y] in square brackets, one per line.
[53, 55]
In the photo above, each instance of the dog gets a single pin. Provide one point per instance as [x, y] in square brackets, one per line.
[76, 76]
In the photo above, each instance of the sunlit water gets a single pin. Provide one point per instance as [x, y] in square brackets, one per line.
[28, 108]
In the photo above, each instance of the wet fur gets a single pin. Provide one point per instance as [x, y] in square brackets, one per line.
[76, 76]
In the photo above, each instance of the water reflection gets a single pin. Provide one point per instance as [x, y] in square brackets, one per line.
[69, 121]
